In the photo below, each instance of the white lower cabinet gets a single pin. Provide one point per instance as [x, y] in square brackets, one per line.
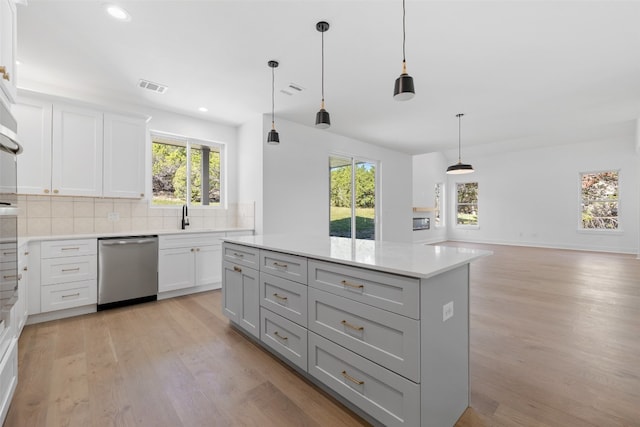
[241, 296]
[389, 398]
[8, 377]
[189, 261]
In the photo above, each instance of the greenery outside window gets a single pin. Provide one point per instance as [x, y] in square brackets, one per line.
[599, 200]
[185, 171]
[467, 204]
[438, 214]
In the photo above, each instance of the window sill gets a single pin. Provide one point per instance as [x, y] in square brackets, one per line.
[617, 232]
[467, 227]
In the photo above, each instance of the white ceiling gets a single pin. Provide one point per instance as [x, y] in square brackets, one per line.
[519, 70]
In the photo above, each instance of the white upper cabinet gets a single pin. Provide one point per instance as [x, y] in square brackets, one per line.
[124, 144]
[8, 49]
[34, 130]
[76, 167]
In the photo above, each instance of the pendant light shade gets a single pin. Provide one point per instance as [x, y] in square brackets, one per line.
[272, 136]
[403, 90]
[323, 121]
[459, 168]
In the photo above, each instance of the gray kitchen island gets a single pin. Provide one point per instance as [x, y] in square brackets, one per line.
[383, 326]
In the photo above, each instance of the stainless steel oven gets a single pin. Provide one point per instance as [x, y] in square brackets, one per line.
[9, 149]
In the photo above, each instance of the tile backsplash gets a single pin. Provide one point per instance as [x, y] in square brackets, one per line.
[59, 215]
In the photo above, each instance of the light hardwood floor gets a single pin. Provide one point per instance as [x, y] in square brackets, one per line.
[555, 341]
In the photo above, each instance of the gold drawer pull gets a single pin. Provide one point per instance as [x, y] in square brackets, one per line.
[9, 253]
[237, 269]
[12, 276]
[355, 328]
[69, 249]
[238, 255]
[350, 378]
[280, 336]
[64, 270]
[280, 265]
[352, 285]
[77, 294]
[280, 297]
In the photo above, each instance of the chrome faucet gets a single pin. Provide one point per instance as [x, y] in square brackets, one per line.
[185, 217]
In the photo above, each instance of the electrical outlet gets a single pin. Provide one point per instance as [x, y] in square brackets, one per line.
[447, 311]
[113, 216]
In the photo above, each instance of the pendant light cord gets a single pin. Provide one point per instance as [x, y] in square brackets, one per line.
[322, 69]
[273, 83]
[459, 144]
[403, 32]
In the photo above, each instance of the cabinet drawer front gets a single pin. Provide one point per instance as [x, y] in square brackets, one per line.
[287, 298]
[387, 397]
[284, 337]
[398, 294]
[386, 338]
[287, 266]
[68, 269]
[68, 295]
[65, 248]
[240, 254]
[8, 252]
[189, 240]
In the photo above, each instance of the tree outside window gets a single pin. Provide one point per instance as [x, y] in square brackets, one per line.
[599, 204]
[183, 170]
[467, 203]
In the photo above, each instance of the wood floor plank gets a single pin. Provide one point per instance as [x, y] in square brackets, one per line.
[555, 341]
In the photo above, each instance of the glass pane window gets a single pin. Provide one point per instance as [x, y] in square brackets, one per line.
[438, 204]
[352, 198]
[185, 172]
[599, 200]
[467, 203]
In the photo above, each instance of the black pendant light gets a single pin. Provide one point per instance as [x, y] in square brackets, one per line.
[272, 136]
[459, 168]
[403, 89]
[322, 117]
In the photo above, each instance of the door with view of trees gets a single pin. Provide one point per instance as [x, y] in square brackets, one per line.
[352, 198]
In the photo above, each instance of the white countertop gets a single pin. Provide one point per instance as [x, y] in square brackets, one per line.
[25, 239]
[408, 259]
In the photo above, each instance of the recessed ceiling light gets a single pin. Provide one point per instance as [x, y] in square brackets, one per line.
[117, 12]
[203, 109]
[18, 62]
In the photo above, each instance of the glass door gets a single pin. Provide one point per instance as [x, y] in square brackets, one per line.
[352, 198]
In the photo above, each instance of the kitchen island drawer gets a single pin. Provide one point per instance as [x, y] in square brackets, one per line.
[386, 338]
[291, 267]
[386, 396]
[240, 254]
[68, 269]
[65, 248]
[284, 337]
[399, 294]
[284, 297]
[68, 295]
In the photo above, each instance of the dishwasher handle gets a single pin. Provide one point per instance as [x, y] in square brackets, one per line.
[126, 242]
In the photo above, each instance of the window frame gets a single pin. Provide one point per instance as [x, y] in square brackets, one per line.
[439, 215]
[580, 227]
[456, 204]
[189, 143]
[354, 159]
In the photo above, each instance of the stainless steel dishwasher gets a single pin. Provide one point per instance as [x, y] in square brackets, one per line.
[127, 270]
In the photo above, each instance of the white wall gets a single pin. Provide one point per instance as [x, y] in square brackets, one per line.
[428, 169]
[532, 197]
[250, 169]
[296, 181]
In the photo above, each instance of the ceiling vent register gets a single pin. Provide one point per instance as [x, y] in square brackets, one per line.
[154, 87]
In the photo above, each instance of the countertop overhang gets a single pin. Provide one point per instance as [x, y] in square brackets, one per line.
[407, 259]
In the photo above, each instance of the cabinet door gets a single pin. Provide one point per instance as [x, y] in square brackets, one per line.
[124, 165]
[209, 265]
[176, 269]
[77, 151]
[241, 297]
[8, 48]
[34, 130]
